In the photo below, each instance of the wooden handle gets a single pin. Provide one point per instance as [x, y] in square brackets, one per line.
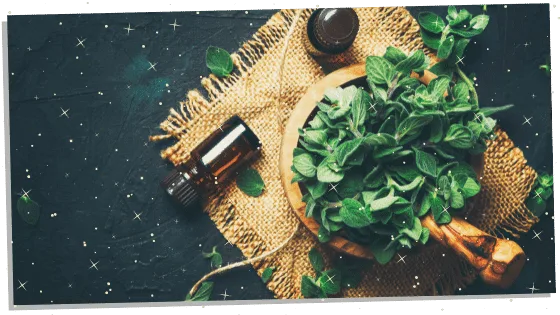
[498, 261]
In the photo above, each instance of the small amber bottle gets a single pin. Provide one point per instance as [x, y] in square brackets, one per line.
[213, 162]
[331, 31]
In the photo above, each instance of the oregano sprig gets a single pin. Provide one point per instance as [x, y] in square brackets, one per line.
[450, 38]
[377, 157]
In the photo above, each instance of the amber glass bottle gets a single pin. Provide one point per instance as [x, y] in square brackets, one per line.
[213, 162]
[331, 31]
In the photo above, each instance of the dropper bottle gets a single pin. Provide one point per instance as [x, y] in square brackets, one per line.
[213, 162]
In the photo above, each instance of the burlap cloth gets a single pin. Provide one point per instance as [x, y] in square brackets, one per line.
[257, 225]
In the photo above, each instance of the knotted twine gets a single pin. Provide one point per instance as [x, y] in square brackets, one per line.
[257, 224]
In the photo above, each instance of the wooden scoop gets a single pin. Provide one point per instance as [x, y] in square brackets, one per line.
[498, 261]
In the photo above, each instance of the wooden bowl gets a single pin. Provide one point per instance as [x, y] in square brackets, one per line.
[303, 112]
[498, 261]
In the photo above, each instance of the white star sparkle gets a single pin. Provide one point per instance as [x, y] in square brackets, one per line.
[22, 285]
[93, 265]
[174, 25]
[26, 193]
[128, 29]
[537, 235]
[81, 42]
[333, 187]
[152, 66]
[137, 216]
[533, 289]
[225, 295]
[527, 120]
[401, 258]
[64, 113]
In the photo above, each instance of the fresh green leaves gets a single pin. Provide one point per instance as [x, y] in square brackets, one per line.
[375, 159]
[327, 282]
[426, 163]
[219, 61]
[214, 256]
[28, 210]
[305, 165]
[541, 197]
[203, 293]
[379, 70]
[267, 274]
[250, 182]
[431, 22]
[459, 136]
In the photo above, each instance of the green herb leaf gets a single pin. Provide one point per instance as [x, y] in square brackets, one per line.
[425, 235]
[346, 150]
[425, 206]
[305, 164]
[316, 260]
[219, 61]
[470, 188]
[380, 139]
[411, 125]
[414, 61]
[461, 17]
[325, 174]
[354, 214]
[317, 189]
[436, 131]
[382, 254]
[267, 274]
[317, 137]
[444, 186]
[330, 281]
[250, 182]
[416, 232]
[28, 210]
[545, 180]
[431, 22]
[457, 200]
[203, 293]
[379, 70]
[323, 235]
[309, 288]
[426, 163]
[430, 40]
[487, 111]
[216, 260]
[383, 203]
[459, 136]
[309, 207]
[360, 103]
[394, 55]
[446, 47]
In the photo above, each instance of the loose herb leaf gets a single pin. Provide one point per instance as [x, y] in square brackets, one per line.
[28, 210]
[316, 260]
[309, 288]
[219, 61]
[267, 274]
[330, 281]
[203, 293]
[431, 22]
[250, 182]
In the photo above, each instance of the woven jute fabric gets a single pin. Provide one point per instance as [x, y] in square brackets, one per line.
[258, 225]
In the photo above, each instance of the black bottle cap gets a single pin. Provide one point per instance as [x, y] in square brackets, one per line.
[180, 188]
[334, 30]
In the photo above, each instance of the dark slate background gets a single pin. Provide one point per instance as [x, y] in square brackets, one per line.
[96, 169]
